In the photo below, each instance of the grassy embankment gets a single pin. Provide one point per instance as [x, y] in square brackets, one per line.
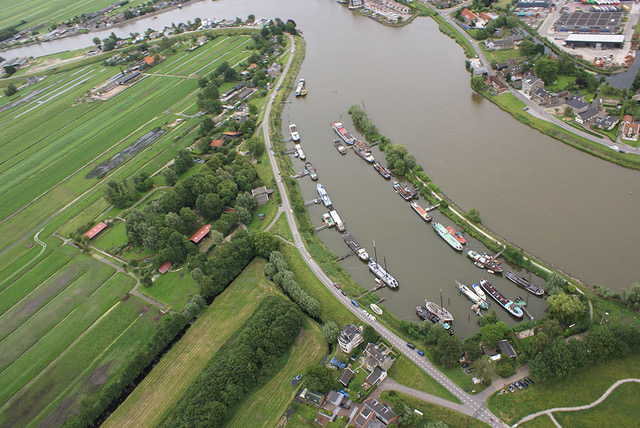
[582, 387]
[161, 389]
[407, 373]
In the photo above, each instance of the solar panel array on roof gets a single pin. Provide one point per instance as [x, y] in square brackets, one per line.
[590, 22]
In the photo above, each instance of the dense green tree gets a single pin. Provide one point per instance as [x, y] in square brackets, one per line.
[10, 89]
[547, 70]
[474, 216]
[471, 347]
[369, 335]
[142, 182]
[330, 332]
[565, 308]
[555, 362]
[436, 333]
[478, 84]
[264, 243]
[319, 378]
[601, 343]
[493, 333]
[448, 351]
[108, 44]
[170, 176]
[631, 297]
[555, 284]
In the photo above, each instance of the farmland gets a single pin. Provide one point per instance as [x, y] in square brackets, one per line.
[68, 326]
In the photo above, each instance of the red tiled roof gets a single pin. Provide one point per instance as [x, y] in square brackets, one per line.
[627, 118]
[468, 15]
[149, 59]
[229, 210]
[216, 143]
[204, 231]
[95, 230]
[165, 267]
[232, 134]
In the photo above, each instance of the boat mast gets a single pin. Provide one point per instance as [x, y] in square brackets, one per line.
[375, 253]
[441, 304]
[384, 256]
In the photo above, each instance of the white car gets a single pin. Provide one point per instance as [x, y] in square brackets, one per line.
[616, 148]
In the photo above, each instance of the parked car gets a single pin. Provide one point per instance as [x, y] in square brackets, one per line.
[354, 303]
[335, 284]
[411, 345]
[529, 380]
[518, 385]
[525, 384]
[511, 388]
[420, 353]
[344, 293]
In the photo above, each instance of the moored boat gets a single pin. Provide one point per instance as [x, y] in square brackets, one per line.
[444, 234]
[323, 195]
[521, 282]
[340, 147]
[507, 304]
[443, 314]
[456, 235]
[376, 309]
[293, 131]
[299, 152]
[381, 273]
[299, 88]
[420, 211]
[478, 290]
[406, 192]
[485, 261]
[337, 220]
[355, 247]
[384, 172]
[363, 151]
[472, 296]
[422, 312]
[327, 220]
[311, 170]
[343, 133]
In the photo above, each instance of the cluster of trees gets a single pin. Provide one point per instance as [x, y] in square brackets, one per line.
[530, 48]
[8, 32]
[278, 27]
[558, 359]
[169, 328]
[278, 270]
[504, 20]
[121, 194]
[208, 100]
[363, 123]
[254, 354]
[10, 90]
[399, 159]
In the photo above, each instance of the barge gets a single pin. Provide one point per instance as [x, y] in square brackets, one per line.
[323, 195]
[444, 234]
[485, 261]
[443, 314]
[382, 273]
[293, 131]
[311, 170]
[340, 147]
[299, 152]
[343, 133]
[456, 235]
[472, 296]
[406, 192]
[363, 151]
[337, 220]
[521, 282]
[507, 304]
[421, 211]
[384, 172]
[355, 247]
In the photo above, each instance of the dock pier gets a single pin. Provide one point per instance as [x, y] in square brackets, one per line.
[343, 257]
[313, 201]
[319, 228]
[431, 208]
[374, 289]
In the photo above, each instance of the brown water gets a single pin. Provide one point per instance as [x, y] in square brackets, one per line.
[570, 209]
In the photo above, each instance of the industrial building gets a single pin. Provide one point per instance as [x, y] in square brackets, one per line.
[528, 4]
[590, 22]
[597, 41]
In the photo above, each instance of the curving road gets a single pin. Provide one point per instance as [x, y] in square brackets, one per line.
[473, 406]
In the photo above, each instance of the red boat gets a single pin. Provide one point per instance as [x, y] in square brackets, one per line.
[456, 235]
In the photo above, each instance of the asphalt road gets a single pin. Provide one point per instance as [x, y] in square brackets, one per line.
[473, 406]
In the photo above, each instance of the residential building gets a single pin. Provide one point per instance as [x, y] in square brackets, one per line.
[506, 349]
[312, 398]
[166, 266]
[350, 337]
[261, 194]
[606, 122]
[530, 83]
[577, 103]
[497, 85]
[374, 414]
[377, 375]
[345, 377]
[374, 357]
[468, 16]
[629, 129]
[333, 401]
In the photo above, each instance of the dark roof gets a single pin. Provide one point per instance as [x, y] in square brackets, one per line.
[374, 376]
[95, 230]
[334, 397]
[577, 103]
[375, 352]
[371, 410]
[204, 231]
[346, 376]
[349, 332]
[383, 412]
[507, 349]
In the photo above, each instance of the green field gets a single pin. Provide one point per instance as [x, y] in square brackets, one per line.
[408, 374]
[180, 366]
[173, 289]
[582, 387]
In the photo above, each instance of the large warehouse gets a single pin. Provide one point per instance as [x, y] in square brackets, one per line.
[598, 41]
[590, 22]
[527, 4]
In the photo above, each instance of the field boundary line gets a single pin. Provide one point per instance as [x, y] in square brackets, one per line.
[76, 340]
[44, 247]
[75, 380]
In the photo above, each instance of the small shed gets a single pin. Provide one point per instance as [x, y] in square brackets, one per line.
[200, 234]
[91, 233]
[165, 267]
[506, 348]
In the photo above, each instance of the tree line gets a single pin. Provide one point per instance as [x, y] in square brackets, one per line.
[244, 363]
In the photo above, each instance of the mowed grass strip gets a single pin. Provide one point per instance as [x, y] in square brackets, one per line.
[29, 332]
[78, 358]
[15, 259]
[619, 409]
[406, 373]
[173, 289]
[22, 285]
[265, 406]
[164, 385]
[584, 386]
[79, 322]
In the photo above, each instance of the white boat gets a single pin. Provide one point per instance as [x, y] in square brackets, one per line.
[299, 88]
[479, 292]
[323, 195]
[295, 136]
[472, 296]
[299, 151]
[443, 314]
[337, 220]
[375, 308]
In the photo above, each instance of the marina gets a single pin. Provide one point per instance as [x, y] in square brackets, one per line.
[507, 304]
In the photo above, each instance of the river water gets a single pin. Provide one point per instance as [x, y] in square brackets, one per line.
[570, 209]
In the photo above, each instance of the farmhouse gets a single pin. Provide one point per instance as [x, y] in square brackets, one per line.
[200, 234]
[95, 230]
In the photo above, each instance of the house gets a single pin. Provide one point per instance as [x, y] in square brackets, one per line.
[374, 414]
[345, 377]
[149, 60]
[312, 398]
[475, 65]
[322, 419]
[377, 375]
[468, 16]
[216, 143]
[577, 103]
[629, 129]
[274, 70]
[541, 96]
[241, 112]
[374, 357]
[91, 233]
[231, 135]
[506, 348]
[499, 44]
[606, 122]
[498, 85]
[586, 116]
[350, 337]
[164, 268]
[197, 237]
[530, 83]
[261, 194]
[333, 401]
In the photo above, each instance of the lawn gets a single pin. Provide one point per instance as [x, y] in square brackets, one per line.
[281, 228]
[433, 412]
[173, 289]
[164, 385]
[408, 374]
[115, 235]
[500, 55]
[88, 215]
[265, 406]
[542, 421]
[269, 210]
[582, 387]
[618, 410]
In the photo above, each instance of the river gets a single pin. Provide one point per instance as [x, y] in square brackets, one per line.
[570, 209]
